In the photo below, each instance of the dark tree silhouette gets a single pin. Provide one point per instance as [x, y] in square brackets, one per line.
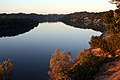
[117, 2]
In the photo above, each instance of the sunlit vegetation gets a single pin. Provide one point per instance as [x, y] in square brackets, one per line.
[117, 2]
[113, 20]
[84, 67]
[58, 61]
[87, 64]
[110, 43]
[87, 20]
[102, 21]
[6, 68]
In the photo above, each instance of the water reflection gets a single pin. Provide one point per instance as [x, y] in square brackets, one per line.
[5, 77]
[100, 28]
[31, 51]
[15, 30]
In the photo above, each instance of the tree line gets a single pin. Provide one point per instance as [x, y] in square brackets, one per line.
[88, 62]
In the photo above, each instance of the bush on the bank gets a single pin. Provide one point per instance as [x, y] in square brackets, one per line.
[57, 62]
[84, 67]
[110, 43]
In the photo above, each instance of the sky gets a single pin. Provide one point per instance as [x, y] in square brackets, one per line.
[54, 6]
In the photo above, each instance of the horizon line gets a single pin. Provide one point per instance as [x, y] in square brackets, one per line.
[22, 12]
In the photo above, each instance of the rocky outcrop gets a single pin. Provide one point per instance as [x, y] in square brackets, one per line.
[109, 71]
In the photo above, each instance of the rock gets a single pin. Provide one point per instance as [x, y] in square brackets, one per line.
[98, 52]
[109, 71]
[117, 55]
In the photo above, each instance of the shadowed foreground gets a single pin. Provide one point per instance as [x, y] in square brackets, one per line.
[6, 68]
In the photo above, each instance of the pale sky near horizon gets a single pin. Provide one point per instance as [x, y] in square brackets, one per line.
[54, 6]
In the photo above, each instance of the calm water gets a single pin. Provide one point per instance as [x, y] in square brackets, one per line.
[31, 51]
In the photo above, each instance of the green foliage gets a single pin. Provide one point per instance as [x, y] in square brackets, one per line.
[110, 43]
[84, 67]
[95, 42]
[117, 11]
[88, 63]
[57, 62]
[6, 68]
[113, 20]
[78, 15]
[109, 17]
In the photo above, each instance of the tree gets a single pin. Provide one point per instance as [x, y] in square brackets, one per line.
[57, 62]
[117, 2]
